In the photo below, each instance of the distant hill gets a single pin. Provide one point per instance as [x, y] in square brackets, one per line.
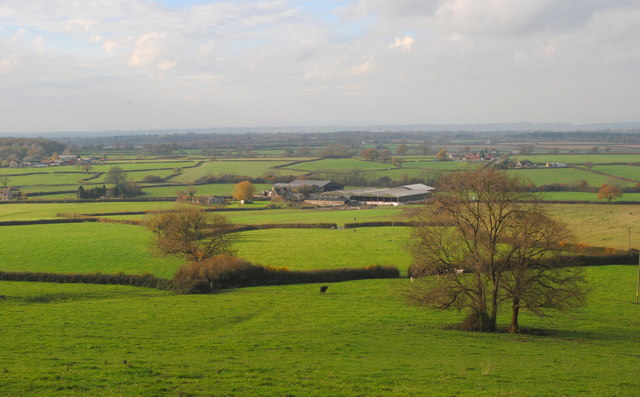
[477, 127]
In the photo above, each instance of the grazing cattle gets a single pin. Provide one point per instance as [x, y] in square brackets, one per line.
[323, 289]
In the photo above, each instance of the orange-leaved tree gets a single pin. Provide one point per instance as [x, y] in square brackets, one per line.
[609, 192]
[243, 190]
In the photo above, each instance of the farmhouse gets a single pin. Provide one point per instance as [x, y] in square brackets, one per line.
[373, 196]
[6, 194]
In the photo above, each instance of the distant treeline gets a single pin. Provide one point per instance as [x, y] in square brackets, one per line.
[30, 149]
[246, 141]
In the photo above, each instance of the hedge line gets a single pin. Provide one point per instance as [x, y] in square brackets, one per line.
[45, 222]
[378, 224]
[568, 261]
[265, 226]
[232, 272]
[254, 276]
[260, 276]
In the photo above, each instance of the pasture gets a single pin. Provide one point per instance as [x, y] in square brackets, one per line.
[595, 158]
[357, 339]
[217, 189]
[339, 165]
[625, 171]
[546, 176]
[35, 211]
[239, 167]
[82, 248]
[600, 224]
[307, 249]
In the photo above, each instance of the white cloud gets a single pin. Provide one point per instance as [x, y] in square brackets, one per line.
[38, 42]
[364, 67]
[8, 64]
[165, 65]
[404, 43]
[146, 49]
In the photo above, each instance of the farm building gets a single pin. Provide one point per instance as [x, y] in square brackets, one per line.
[373, 196]
[300, 189]
[6, 194]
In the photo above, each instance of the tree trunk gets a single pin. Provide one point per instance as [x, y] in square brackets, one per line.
[515, 310]
[493, 318]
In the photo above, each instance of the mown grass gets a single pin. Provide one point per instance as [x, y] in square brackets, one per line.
[82, 248]
[357, 339]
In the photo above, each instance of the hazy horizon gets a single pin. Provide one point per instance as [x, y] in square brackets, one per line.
[167, 64]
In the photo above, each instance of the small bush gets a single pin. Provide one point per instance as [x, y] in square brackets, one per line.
[153, 179]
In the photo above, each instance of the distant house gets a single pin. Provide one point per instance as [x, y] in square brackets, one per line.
[525, 164]
[6, 194]
[556, 165]
[210, 200]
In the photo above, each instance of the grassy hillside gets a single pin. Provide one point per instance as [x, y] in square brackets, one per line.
[357, 339]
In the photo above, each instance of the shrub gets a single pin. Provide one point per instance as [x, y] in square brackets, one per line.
[153, 179]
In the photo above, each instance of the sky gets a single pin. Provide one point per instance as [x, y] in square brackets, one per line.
[93, 65]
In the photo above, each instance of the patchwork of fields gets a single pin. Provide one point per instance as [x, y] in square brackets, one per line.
[359, 338]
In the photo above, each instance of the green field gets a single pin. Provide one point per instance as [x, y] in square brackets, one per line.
[546, 176]
[601, 224]
[34, 211]
[358, 339]
[48, 179]
[339, 165]
[221, 189]
[136, 176]
[586, 196]
[625, 171]
[579, 158]
[241, 167]
[305, 249]
[82, 248]
[442, 165]
[326, 215]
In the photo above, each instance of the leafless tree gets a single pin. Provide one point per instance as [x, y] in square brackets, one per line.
[479, 223]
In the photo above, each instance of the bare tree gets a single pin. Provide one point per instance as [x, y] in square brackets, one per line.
[191, 233]
[479, 225]
[537, 280]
